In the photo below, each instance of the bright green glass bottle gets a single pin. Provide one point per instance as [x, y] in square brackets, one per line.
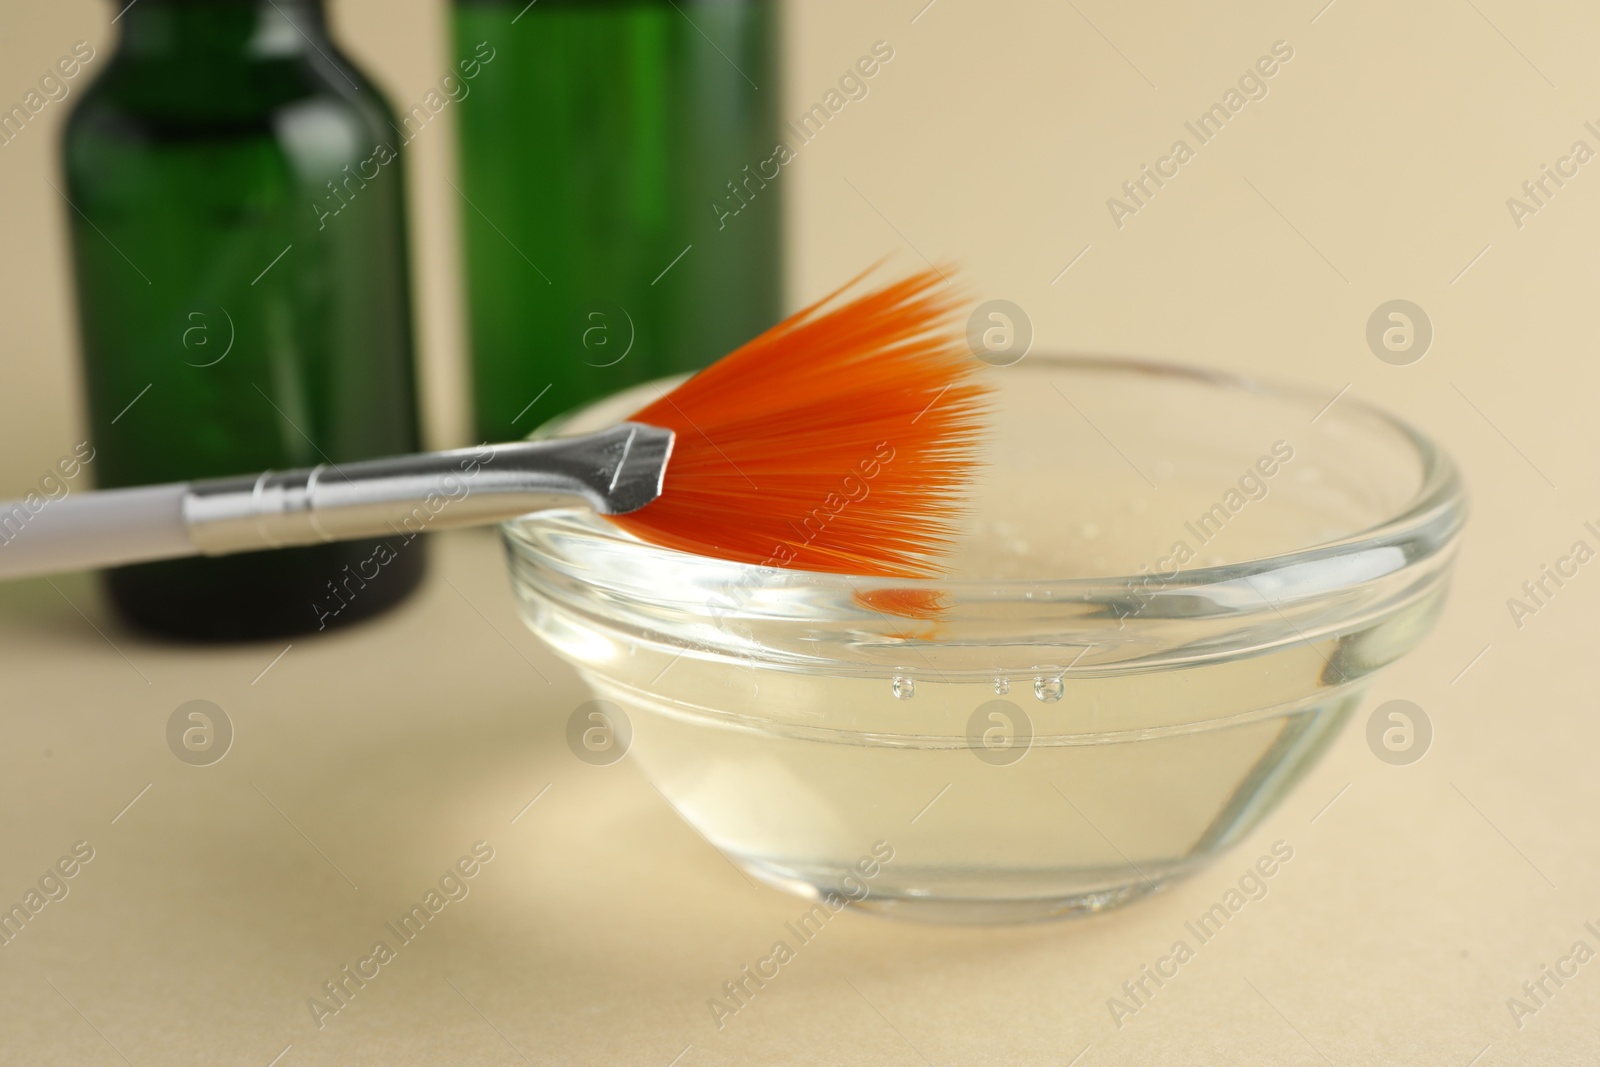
[617, 228]
[240, 246]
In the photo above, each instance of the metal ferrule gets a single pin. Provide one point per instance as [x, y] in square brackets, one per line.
[614, 471]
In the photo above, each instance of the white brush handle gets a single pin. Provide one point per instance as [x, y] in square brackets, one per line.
[87, 530]
[613, 471]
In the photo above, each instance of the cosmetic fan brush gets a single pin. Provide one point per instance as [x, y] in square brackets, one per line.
[840, 440]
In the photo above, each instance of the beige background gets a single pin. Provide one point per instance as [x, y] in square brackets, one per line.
[1377, 167]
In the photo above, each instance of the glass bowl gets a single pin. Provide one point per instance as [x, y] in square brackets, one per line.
[1172, 588]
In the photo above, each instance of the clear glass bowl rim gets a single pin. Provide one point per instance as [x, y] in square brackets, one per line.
[1427, 524]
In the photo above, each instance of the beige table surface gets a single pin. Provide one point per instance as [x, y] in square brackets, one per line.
[1419, 899]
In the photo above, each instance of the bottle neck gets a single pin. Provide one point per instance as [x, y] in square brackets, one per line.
[221, 30]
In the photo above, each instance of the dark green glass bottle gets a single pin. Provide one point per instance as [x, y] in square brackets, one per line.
[618, 222]
[238, 230]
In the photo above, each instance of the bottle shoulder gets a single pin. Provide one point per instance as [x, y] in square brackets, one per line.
[152, 105]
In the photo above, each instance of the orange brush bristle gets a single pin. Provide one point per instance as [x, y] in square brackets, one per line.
[839, 440]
